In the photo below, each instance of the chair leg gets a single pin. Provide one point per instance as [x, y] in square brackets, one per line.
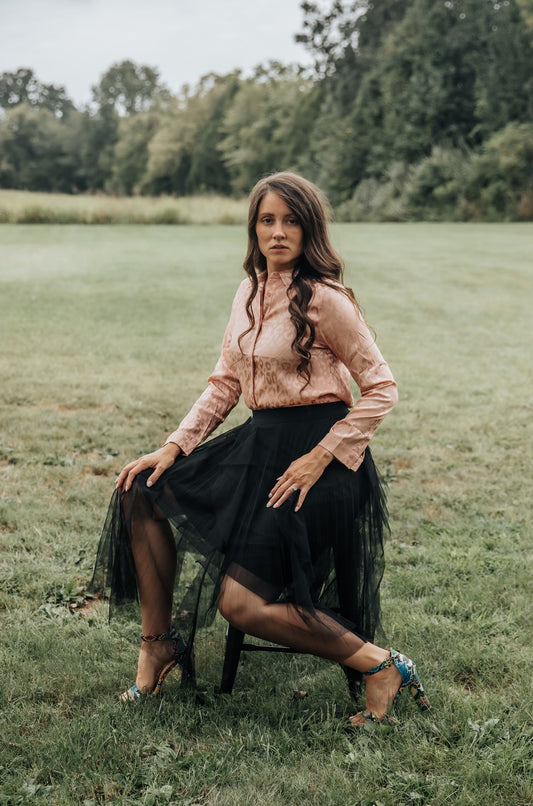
[188, 674]
[355, 682]
[234, 642]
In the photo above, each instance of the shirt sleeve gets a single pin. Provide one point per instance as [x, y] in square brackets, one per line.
[343, 330]
[215, 403]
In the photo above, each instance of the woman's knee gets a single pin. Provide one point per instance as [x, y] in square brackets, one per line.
[136, 503]
[236, 607]
[230, 608]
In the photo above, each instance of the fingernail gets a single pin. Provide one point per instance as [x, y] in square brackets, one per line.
[148, 483]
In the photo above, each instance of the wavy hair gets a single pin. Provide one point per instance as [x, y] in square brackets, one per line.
[318, 263]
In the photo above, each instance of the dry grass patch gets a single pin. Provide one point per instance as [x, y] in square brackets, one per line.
[25, 207]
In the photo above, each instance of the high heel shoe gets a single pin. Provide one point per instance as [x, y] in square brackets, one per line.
[179, 647]
[410, 681]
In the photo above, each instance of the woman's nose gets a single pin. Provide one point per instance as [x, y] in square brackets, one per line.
[279, 230]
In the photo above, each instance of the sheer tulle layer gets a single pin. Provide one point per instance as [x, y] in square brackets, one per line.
[212, 519]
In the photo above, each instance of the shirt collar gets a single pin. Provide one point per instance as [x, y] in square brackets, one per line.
[284, 274]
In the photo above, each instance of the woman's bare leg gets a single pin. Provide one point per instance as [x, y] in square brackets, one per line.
[282, 624]
[154, 554]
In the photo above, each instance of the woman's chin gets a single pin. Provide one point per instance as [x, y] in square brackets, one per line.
[280, 262]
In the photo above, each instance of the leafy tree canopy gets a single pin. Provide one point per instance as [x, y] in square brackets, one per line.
[127, 88]
[399, 109]
[22, 87]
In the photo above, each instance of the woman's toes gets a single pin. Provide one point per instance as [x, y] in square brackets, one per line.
[357, 719]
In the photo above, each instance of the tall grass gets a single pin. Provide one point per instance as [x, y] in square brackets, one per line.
[108, 334]
[24, 207]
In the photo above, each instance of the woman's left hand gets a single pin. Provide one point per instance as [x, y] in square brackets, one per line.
[300, 476]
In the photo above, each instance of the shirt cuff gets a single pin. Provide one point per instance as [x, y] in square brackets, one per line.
[348, 456]
[184, 444]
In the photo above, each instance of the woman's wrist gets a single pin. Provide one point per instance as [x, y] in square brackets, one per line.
[172, 448]
[323, 455]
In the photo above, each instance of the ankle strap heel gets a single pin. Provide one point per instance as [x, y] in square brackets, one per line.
[179, 648]
[172, 635]
[410, 681]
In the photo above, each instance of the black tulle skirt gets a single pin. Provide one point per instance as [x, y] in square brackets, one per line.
[327, 558]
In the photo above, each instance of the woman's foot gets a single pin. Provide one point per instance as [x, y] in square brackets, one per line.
[158, 655]
[153, 657]
[385, 682]
[381, 689]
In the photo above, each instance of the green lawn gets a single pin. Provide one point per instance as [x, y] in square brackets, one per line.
[107, 337]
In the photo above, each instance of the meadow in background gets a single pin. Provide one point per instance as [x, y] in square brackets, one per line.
[108, 335]
[405, 111]
[27, 207]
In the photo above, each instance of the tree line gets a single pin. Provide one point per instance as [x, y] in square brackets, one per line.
[411, 109]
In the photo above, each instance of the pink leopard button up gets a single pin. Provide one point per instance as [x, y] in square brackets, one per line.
[264, 371]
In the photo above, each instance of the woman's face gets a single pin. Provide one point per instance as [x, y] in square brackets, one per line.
[279, 235]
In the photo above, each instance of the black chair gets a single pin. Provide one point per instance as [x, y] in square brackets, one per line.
[235, 644]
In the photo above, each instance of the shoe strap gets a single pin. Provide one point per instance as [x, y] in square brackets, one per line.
[383, 665]
[161, 636]
[135, 693]
[180, 645]
[370, 716]
[404, 665]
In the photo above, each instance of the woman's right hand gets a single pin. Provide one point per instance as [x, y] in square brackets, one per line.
[160, 460]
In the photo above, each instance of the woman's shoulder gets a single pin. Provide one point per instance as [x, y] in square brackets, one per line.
[332, 295]
[332, 309]
[244, 288]
[246, 284]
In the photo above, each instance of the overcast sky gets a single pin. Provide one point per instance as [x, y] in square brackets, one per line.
[72, 42]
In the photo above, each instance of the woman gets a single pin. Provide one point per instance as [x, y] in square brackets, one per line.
[285, 513]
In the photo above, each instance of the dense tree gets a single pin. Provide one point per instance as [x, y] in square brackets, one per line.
[450, 74]
[526, 8]
[22, 87]
[498, 184]
[170, 152]
[331, 34]
[183, 154]
[97, 147]
[405, 106]
[345, 40]
[207, 170]
[128, 88]
[130, 154]
[33, 152]
[263, 125]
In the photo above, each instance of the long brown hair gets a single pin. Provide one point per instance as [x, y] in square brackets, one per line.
[318, 263]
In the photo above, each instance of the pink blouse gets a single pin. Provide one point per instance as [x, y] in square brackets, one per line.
[264, 371]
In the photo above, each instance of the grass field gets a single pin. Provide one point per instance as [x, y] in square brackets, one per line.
[108, 334]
